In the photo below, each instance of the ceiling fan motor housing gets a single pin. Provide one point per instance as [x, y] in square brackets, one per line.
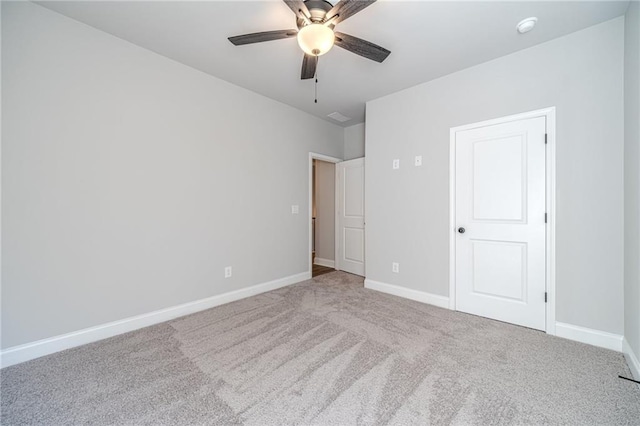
[318, 10]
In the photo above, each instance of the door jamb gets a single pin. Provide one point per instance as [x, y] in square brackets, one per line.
[550, 244]
[328, 159]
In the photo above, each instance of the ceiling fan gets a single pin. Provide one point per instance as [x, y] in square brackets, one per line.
[316, 20]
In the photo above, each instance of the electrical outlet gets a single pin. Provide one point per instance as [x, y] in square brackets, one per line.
[396, 164]
[227, 272]
[295, 209]
[395, 267]
[418, 160]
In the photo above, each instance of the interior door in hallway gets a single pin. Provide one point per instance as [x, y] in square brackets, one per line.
[350, 229]
[500, 222]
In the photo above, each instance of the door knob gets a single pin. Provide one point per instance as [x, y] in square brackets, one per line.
[461, 230]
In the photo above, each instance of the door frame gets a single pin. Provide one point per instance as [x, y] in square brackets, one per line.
[550, 237]
[328, 159]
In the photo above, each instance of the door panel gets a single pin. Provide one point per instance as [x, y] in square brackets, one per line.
[499, 269]
[353, 247]
[498, 191]
[353, 186]
[500, 203]
[350, 182]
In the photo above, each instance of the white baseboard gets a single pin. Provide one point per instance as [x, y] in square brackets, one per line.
[632, 359]
[590, 336]
[324, 262]
[28, 351]
[420, 296]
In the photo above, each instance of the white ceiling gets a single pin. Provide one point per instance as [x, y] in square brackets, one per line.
[427, 39]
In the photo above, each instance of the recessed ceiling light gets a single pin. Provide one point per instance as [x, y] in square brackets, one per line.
[526, 25]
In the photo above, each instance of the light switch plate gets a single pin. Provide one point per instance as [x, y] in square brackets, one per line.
[396, 164]
[418, 160]
[295, 209]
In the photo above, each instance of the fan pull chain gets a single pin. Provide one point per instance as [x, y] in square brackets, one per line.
[316, 77]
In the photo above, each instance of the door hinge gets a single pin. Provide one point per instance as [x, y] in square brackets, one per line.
[545, 138]
[545, 297]
[545, 218]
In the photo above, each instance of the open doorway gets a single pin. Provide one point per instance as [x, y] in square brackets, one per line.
[322, 214]
[323, 218]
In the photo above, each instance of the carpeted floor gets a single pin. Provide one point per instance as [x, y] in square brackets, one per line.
[324, 352]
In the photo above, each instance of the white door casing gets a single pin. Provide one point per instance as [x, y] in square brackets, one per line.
[500, 201]
[350, 216]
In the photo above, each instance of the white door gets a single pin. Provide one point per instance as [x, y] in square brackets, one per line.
[500, 222]
[350, 229]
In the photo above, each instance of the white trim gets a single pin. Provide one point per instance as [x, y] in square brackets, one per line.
[632, 359]
[550, 115]
[336, 220]
[590, 336]
[501, 120]
[324, 262]
[420, 296]
[321, 157]
[452, 219]
[28, 351]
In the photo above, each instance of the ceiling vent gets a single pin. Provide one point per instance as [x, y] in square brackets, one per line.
[339, 117]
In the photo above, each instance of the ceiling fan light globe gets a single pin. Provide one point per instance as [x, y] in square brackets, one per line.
[316, 39]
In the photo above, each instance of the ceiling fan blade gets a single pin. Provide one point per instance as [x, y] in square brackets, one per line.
[299, 8]
[309, 63]
[263, 36]
[361, 47]
[347, 8]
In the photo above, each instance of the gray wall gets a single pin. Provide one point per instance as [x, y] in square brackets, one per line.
[354, 141]
[408, 209]
[129, 181]
[632, 177]
[325, 210]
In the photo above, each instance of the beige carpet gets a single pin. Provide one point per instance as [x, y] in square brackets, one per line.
[324, 352]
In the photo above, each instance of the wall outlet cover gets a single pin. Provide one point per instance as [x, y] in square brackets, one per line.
[228, 272]
[295, 209]
[395, 267]
[396, 164]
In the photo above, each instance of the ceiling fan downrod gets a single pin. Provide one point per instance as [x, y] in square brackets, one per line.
[316, 76]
